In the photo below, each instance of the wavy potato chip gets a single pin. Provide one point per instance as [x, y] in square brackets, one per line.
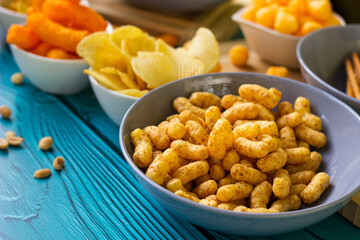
[98, 52]
[124, 78]
[154, 68]
[124, 32]
[131, 46]
[204, 47]
[186, 64]
[134, 92]
[106, 80]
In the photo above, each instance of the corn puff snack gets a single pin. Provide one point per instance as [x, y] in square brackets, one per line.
[54, 33]
[58, 53]
[161, 166]
[42, 49]
[260, 196]
[256, 93]
[281, 183]
[28, 39]
[143, 149]
[74, 16]
[235, 156]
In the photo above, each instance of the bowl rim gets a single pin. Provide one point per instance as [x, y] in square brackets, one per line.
[94, 82]
[237, 17]
[11, 12]
[306, 211]
[42, 58]
[313, 75]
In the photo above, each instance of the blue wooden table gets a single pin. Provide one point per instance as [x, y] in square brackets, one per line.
[95, 196]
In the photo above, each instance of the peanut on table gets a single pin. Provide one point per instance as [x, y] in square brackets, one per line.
[235, 152]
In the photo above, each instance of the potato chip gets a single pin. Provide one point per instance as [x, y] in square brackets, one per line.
[186, 64]
[108, 82]
[124, 78]
[205, 48]
[154, 68]
[124, 32]
[133, 92]
[131, 46]
[98, 52]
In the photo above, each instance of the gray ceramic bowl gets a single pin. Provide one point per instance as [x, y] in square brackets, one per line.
[322, 57]
[340, 159]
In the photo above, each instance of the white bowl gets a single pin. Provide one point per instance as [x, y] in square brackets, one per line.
[272, 46]
[54, 76]
[113, 103]
[8, 17]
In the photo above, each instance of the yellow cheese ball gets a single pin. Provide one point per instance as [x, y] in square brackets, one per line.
[332, 21]
[278, 71]
[249, 13]
[282, 2]
[239, 55]
[308, 27]
[320, 10]
[266, 16]
[286, 23]
[298, 6]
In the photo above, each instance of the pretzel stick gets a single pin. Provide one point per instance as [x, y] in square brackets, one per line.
[356, 61]
[349, 90]
[351, 76]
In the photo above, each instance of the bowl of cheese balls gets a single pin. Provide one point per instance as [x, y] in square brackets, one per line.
[274, 28]
[243, 153]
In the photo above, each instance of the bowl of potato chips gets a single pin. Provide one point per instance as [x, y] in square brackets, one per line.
[128, 63]
[243, 153]
[273, 29]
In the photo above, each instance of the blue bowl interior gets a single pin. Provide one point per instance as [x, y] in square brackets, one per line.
[324, 52]
[340, 123]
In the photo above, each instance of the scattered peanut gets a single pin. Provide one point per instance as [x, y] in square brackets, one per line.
[3, 143]
[5, 111]
[17, 78]
[10, 134]
[59, 163]
[45, 143]
[42, 173]
[15, 141]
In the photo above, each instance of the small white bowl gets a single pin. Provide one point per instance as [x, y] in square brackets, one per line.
[8, 17]
[272, 46]
[54, 76]
[113, 103]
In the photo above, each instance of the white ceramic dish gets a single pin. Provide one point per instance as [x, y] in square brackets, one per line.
[8, 17]
[54, 76]
[272, 46]
[113, 103]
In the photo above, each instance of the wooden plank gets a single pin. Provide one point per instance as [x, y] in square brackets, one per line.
[255, 64]
[351, 211]
[95, 197]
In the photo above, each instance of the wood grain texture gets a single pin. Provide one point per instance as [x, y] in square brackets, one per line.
[95, 196]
